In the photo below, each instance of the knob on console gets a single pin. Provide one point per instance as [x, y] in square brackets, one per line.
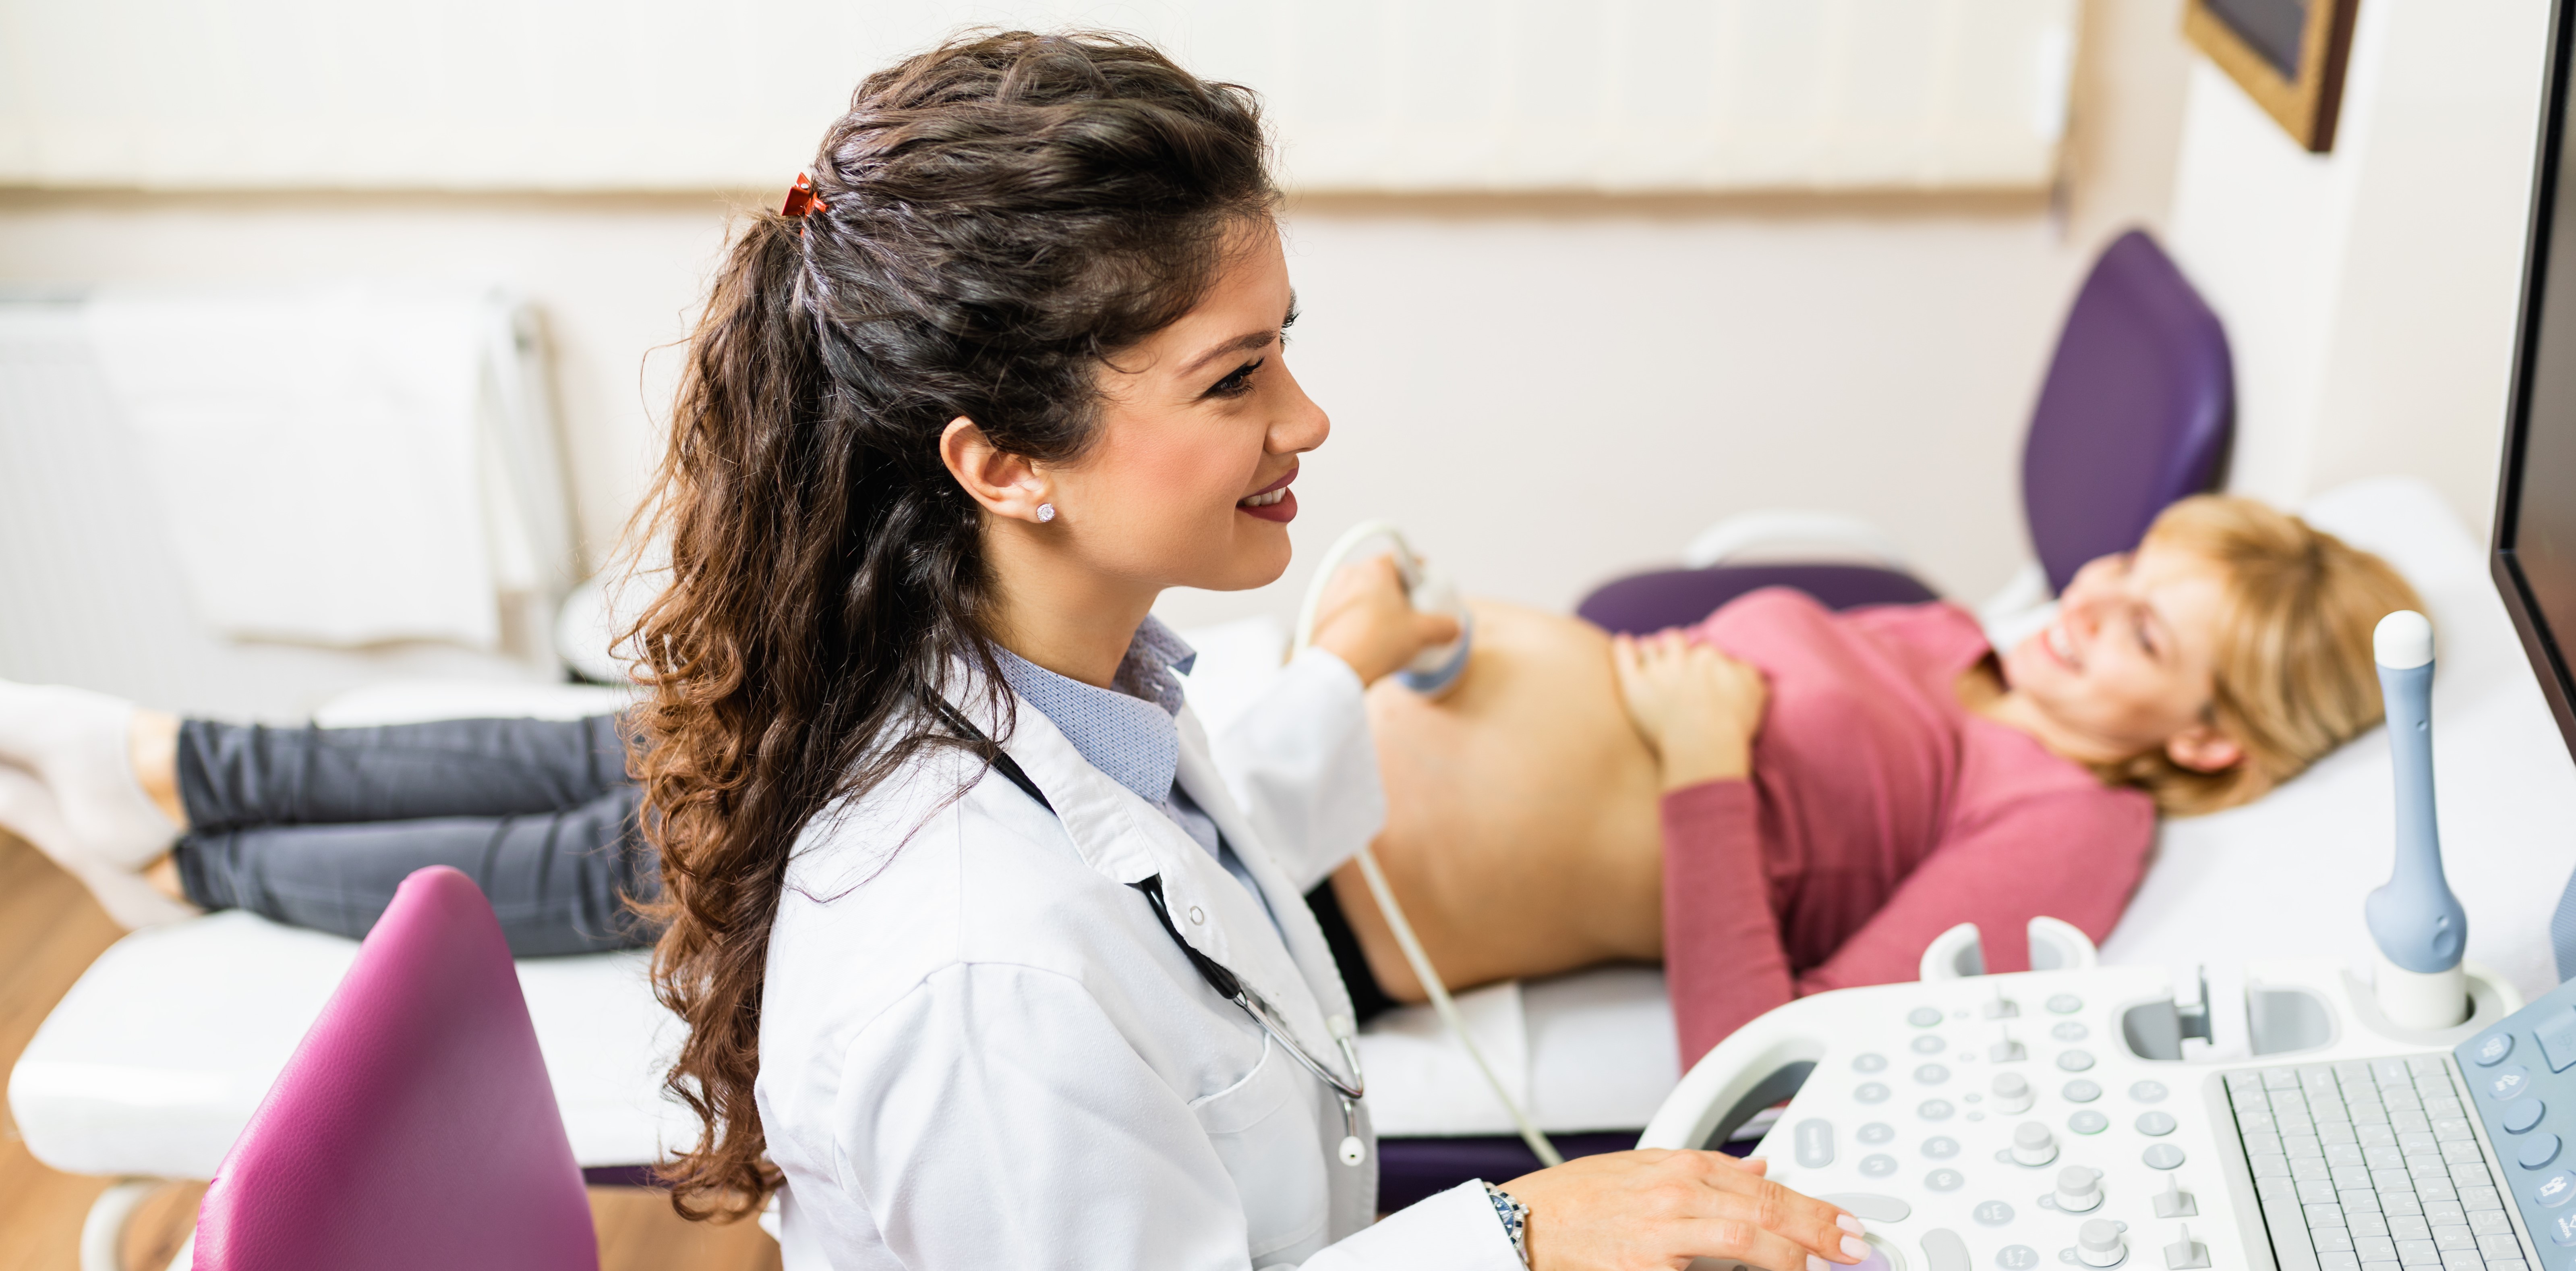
[2099, 1244]
[2079, 1190]
[2012, 1092]
[2033, 1145]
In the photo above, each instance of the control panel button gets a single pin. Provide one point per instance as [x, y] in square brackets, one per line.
[2537, 1151]
[2561, 1227]
[1992, 1213]
[2557, 1038]
[2013, 1092]
[2016, 1258]
[2064, 1004]
[2148, 1092]
[1869, 1061]
[2088, 1122]
[2491, 1049]
[2156, 1124]
[1870, 1206]
[1813, 1142]
[2081, 1090]
[2186, 1254]
[1870, 1092]
[1934, 1110]
[2508, 1082]
[1929, 1044]
[2079, 1190]
[2162, 1156]
[1923, 1016]
[1940, 1147]
[2001, 1007]
[1945, 1180]
[2522, 1114]
[1931, 1074]
[2070, 1031]
[1944, 1250]
[2098, 1243]
[2174, 1202]
[1877, 1132]
[2555, 1190]
[2005, 1049]
[2033, 1144]
[1877, 1165]
[2075, 1060]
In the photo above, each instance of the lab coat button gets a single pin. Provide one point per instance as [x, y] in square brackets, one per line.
[1198, 916]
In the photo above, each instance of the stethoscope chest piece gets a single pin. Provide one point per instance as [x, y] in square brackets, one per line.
[1353, 1151]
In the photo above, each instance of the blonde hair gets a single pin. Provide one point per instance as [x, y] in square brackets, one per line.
[2294, 675]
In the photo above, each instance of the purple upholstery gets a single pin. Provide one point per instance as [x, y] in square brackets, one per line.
[2136, 412]
[414, 1127]
[1641, 603]
[1411, 1169]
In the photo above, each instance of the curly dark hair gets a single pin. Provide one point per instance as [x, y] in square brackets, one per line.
[1002, 214]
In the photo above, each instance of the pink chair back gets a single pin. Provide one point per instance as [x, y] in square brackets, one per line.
[415, 1126]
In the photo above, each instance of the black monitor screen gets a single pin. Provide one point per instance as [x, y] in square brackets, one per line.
[2535, 538]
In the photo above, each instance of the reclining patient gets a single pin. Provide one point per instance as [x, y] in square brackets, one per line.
[1776, 801]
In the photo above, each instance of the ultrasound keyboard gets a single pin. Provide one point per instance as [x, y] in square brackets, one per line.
[2372, 1165]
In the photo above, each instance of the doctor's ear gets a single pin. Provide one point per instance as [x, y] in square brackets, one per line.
[1004, 484]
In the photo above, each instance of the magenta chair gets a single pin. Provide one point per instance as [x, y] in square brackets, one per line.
[415, 1126]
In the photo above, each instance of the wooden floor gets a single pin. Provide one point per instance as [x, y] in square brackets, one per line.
[49, 932]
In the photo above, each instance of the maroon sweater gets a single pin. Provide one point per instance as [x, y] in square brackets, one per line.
[1880, 813]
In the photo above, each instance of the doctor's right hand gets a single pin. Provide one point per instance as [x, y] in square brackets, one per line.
[1366, 620]
[1628, 1211]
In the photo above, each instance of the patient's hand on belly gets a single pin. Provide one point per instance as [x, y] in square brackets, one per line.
[1522, 835]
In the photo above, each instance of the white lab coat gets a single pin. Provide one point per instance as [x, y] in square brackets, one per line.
[979, 1048]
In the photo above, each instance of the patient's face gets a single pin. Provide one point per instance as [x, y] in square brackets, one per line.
[2129, 663]
[1195, 420]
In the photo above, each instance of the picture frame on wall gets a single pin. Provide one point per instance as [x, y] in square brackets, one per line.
[2288, 55]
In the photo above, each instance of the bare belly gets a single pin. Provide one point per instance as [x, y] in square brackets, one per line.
[1522, 833]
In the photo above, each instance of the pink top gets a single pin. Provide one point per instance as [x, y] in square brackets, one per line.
[1880, 813]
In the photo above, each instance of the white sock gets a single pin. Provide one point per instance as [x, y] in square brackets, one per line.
[81, 744]
[28, 810]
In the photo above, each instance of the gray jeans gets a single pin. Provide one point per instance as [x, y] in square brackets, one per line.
[316, 827]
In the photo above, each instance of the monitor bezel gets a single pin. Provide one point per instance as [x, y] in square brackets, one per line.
[2548, 660]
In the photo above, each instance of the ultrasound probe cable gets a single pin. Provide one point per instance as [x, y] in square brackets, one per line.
[1410, 566]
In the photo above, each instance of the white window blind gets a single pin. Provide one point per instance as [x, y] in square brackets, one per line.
[1366, 95]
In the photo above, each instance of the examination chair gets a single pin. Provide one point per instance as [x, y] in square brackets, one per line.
[2136, 413]
[415, 1126]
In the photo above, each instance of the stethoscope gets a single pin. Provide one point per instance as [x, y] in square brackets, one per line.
[1227, 984]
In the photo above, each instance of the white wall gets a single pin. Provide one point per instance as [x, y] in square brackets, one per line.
[2370, 294]
[1549, 389]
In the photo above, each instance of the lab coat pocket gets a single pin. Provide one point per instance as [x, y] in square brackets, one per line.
[1264, 1129]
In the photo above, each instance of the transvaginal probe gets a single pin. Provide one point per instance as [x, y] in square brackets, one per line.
[2417, 924]
[1432, 673]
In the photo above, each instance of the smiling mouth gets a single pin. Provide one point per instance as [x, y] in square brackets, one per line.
[2054, 636]
[1270, 494]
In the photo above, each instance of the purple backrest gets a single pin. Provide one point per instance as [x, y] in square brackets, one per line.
[2136, 412]
[415, 1126]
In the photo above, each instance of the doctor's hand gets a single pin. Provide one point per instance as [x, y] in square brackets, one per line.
[1697, 708]
[1626, 1211]
[1366, 620]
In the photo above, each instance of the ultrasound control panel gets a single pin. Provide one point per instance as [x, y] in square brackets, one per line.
[2047, 1119]
[2520, 1076]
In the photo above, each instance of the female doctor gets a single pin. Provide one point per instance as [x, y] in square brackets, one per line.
[983, 963]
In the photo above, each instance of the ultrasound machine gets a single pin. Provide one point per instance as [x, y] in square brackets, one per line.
[2414, 1115]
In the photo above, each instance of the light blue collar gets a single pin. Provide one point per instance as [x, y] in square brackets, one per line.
[1127, 732]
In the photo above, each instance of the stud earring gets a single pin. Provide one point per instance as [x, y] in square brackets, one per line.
[1046, 513]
